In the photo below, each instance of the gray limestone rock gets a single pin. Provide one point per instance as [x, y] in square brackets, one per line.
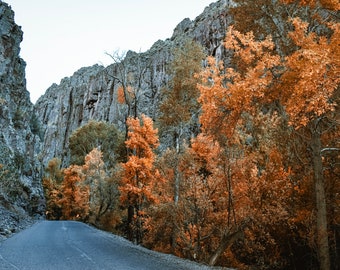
[20, 172]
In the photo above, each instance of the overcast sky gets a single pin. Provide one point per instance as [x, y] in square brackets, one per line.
[61, 36]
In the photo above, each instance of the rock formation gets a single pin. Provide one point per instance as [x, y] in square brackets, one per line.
[20, 187]
[91, 93]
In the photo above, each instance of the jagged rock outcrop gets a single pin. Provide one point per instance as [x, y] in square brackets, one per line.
[91, 93]
[20, 185]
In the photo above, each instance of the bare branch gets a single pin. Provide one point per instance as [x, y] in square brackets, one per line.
[330, 149]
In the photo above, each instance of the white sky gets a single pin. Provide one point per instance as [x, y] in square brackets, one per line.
[61, 36]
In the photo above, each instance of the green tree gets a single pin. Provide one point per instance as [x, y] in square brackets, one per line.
[104, 195]
[97, 135]
[179, 108]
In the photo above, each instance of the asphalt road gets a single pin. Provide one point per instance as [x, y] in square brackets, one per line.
[73, 245]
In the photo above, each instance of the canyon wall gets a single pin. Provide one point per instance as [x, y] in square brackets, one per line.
[20, 172]
[91, 92]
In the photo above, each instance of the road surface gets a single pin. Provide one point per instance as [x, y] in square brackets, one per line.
[74, 245]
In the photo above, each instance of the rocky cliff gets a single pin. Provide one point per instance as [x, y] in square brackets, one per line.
[91, 93]
[20, 188]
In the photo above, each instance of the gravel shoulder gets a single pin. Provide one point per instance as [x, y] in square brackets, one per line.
[11, 223]
[178, 263]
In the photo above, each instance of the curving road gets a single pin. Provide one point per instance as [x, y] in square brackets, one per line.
[74, 245]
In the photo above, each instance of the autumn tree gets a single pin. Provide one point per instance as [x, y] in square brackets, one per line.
[304, 91]
[52, 188]
[202, 191]
[269, 17]
[75, 195]
[309, 87]
[244, 191]
[227, 93]
[327, 4]
[139, 175]
[87, 193]
[225, 197]
[310, 84]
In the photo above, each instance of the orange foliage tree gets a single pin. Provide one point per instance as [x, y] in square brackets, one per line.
[311, 86]
[182, 226]
[231, 92]
[139, 176]
[75, 200]
[202, 204]
[52, 189]
[246, 190]
[227, 194]
[268, 17]
[328, 4]
[304, 92]
[87, 193]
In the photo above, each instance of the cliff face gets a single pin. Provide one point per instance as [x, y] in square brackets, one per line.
[91, 93]
[20, 187]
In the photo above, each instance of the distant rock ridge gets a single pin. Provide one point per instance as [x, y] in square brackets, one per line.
[91, 92]
[20, 172]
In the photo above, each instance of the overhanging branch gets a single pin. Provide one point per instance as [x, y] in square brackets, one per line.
[330, 149]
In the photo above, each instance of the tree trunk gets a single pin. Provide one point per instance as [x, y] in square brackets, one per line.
[321, 212]
[130, 231]
[177, 145]
[176, 199]
[227, 240]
